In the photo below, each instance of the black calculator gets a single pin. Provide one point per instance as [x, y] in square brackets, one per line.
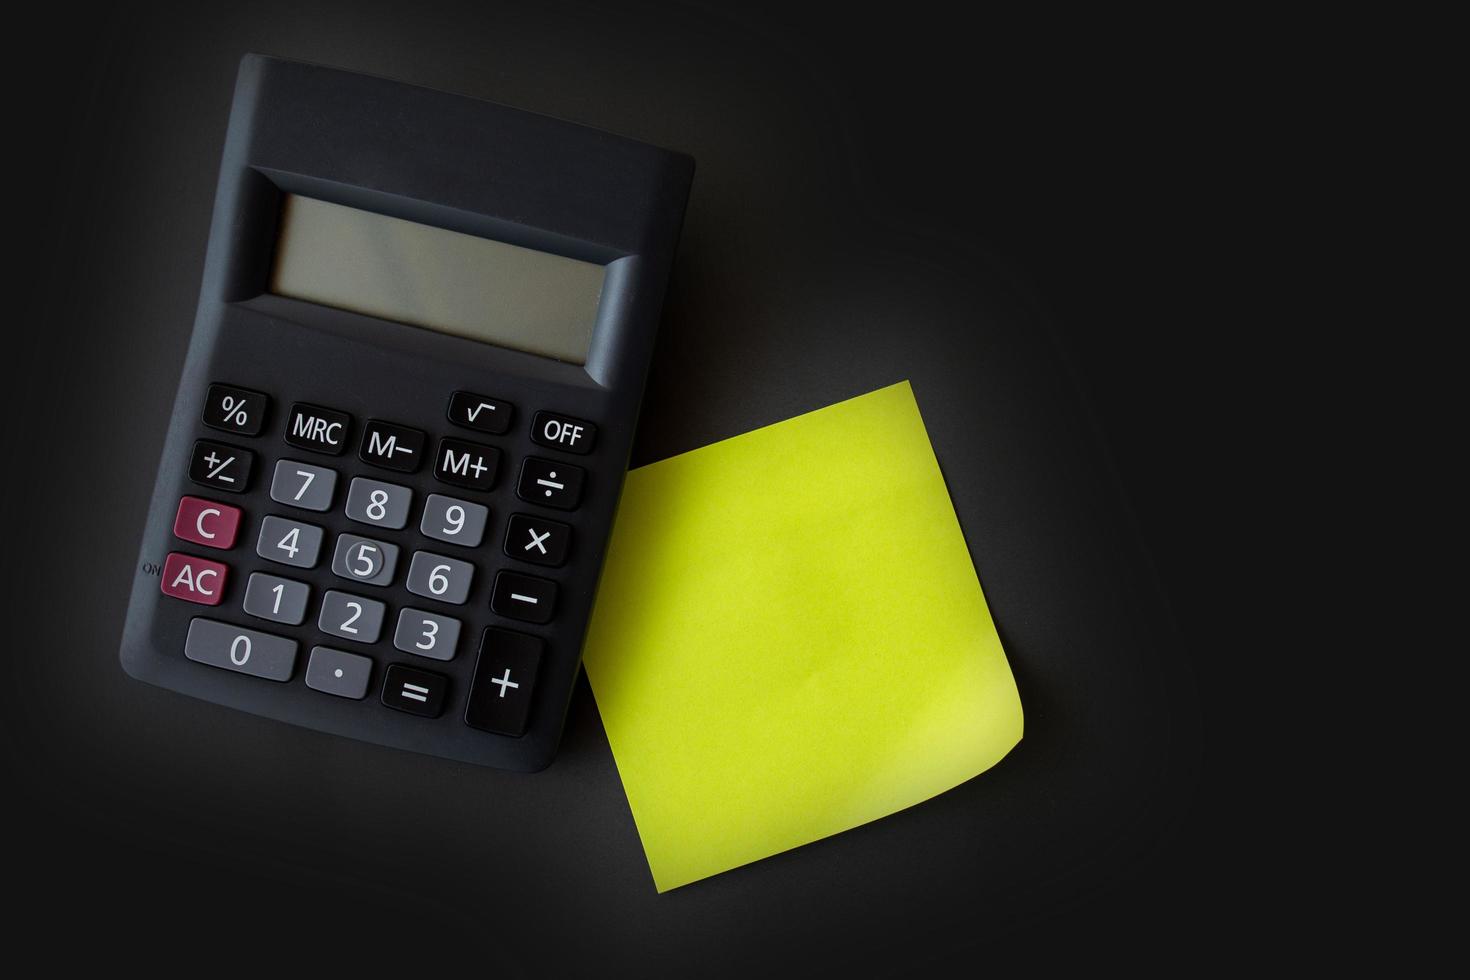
[405, 415]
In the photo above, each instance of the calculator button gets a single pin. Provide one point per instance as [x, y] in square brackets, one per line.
[365, 560]
[549, 483]
[214, 464]
[466, 464]
[500, 695]
[563, 432]
[289, 542]
[338, 672]
[426, 634]
[455, 521]
[393, 447]
[205, 522]
[194, 579]
[480, 412]
[351, 617]
[436, 577]
[419, 692]
[375, 502]
[232, 409]
[277, 599]
[322, 430]
[303, 485]
[523, 597]
[235, 648]
[537, 540]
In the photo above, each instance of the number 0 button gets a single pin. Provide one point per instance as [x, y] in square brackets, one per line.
[437, 577]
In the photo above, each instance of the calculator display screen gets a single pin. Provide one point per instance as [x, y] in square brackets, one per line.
[436, 279]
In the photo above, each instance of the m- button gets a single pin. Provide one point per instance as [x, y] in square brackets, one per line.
[563, 432]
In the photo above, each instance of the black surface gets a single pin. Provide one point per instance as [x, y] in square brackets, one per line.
[1040, 227]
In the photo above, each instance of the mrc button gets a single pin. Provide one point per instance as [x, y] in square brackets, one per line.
[322, 430]
[563, 432]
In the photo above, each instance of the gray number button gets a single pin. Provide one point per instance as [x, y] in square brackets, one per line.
[289, 542]
[336, 672]
[248, 651]
[376, 502]
[278, 599]
[455, 521]
[351, 617]
[303, 485]
[426, 634]
[364, 560]
[436, 577]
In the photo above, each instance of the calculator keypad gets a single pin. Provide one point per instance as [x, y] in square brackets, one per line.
[298, 484]
[289, 542]
[365, 559]
[375, 502]
[499, 698]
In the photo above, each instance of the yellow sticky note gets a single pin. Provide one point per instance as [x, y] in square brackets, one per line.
[790, 639]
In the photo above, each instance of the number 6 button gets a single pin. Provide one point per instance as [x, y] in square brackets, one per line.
[436, 577]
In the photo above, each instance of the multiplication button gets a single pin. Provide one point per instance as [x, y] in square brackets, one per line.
[537, 540]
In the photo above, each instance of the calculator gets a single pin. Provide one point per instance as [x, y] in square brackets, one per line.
[405, 414]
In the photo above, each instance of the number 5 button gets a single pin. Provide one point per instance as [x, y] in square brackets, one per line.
[365, 560]
[436, 577]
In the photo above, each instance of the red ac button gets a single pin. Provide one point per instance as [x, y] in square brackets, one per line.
[205, 522]
[194, 579]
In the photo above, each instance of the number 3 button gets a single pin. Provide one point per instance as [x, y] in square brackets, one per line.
[426, 634]
[436, 577]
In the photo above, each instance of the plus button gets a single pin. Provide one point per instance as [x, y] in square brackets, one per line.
[504, 681]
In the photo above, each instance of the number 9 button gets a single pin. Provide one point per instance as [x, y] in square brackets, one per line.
[454, 521]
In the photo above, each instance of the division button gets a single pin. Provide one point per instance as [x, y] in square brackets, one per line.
[205, 522]
[237, 410]
[234, 648]
[393, 447]
[537, 540]
[523, 597]
[466, 464]
[419, 692]
[194, 579]
[337, 672]
[500, 696]
[563, 432]
[550, 483]
[480, 412]
[222, 467]
[322, 430]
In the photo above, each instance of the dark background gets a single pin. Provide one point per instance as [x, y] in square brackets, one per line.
[1051, 229]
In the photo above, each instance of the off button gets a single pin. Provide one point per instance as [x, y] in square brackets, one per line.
[563, 432]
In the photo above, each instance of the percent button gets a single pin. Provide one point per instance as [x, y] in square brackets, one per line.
[233, 409]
